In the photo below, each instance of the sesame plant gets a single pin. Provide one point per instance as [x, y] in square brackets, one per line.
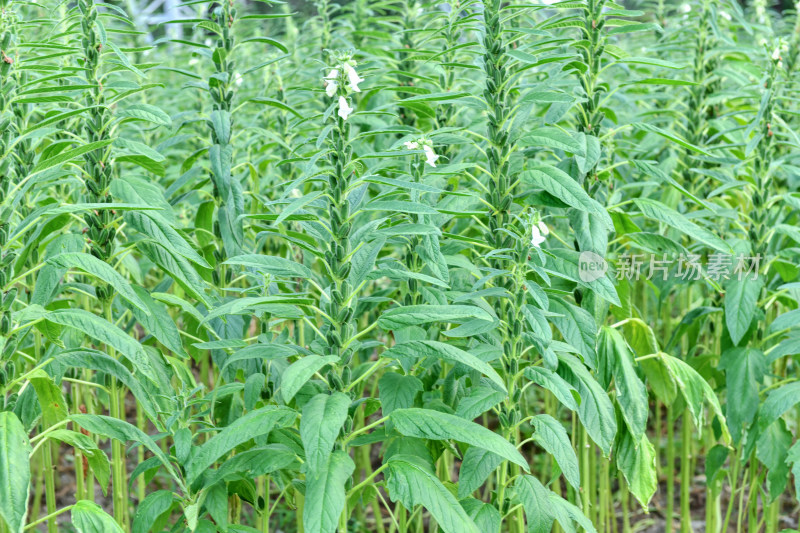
[342, 266]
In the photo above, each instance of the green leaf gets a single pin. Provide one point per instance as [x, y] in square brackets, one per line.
[150, 509]
[448, 352]
[63, 157]
[323, 418]
[631, 393]
[270, 264]
[325, 493]
[300, 371]
[123, 432]
[563, 391]
[107, 333]
[97, 458]
[101, 362]
[694, 390]
[88, 517]
[480, 400]
[741, 299]
[253, 424]
[596, 410]
[672, 137]
[435, 425]
[637, 461]
[147, 112]
[414, 315]
[778, 402]
[397, 391]
[552, 436]
[158, 323]
[160, 230]
[413, 484]
[476, 467]
[102, 271]
[660, 212]
[54, 408]
[744, 369]
[15, 471]
[562, 186]
[552, 138]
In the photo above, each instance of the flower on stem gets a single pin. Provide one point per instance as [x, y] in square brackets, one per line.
[331, 82]
[430, 155]
[536, 236]
[344, 108]
[427, 147]
[352, 76]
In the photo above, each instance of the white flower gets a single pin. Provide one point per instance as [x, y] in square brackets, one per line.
[685, 8]
[776, 54]
[331, 85]
[725, 15]
[543, 229]
[763, 42]
[411, 145]
[430, 155]
[352, 77]
[238, 79]
[536, 236]
[344, 108]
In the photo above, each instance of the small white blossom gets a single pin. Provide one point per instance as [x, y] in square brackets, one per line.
[725, 15]
[536, 236]
[238, 79]
[344, 108]
[411, 145]
[331, 83]
[686, 8]
[543, 229]
[430, 155]
[352, 76]
[776, 54]
[763, 42]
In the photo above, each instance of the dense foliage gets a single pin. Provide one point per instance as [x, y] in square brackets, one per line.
[394, 265]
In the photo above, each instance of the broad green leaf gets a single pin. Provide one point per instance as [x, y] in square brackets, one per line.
[637, 462]
[102, 271]
[323, 418]
[435, 425]
[88, 517]
[107, 333]
[561, 389]
[273, 265]
[150, 509]
[552, 138]
[54, 408]
[778, 402]
[476, 467]
[325, 493]
[595, 410]
[397, 391]
[562, 186]
[412, 484]
[97, 458]
[414, 315]
[158, 322]
[159, 229]
[552, 436]
[631, 393]
[147, 112]
[480, 400]
[448, 352]
[253, 424]
[744, 369]
[695, 390]
[673, 219]
[741, 299]
[299, 372]
[123, 432]
[15, 471]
